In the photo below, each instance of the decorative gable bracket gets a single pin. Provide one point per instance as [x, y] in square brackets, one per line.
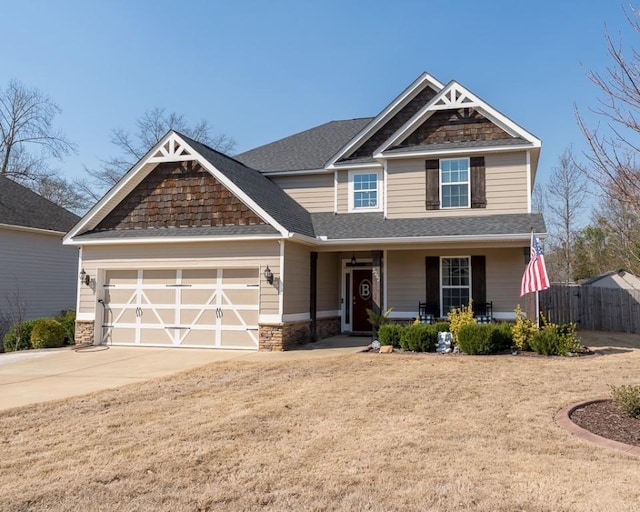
[172, 151]
[453, 98]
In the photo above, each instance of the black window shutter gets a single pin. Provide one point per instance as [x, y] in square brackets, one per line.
[433, 184]
[478, 183]
[432, 296]
[478, 281]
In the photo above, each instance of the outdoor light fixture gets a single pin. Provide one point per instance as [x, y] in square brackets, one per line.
[353, 260]
[84, 277]
[268, 275]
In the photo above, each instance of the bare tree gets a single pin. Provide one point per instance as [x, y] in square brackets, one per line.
[150, 128]
[565, 194]
[13, 315]
[614, 145]
[28, 138]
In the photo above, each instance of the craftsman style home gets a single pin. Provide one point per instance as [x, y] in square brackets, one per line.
[424, 206]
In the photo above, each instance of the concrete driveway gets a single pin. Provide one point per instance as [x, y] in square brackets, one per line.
[38, 376]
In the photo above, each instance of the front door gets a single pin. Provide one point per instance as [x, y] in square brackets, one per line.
[362, 300]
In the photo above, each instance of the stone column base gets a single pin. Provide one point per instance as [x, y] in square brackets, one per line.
[283, 336]
[84, 332]
[327, 327]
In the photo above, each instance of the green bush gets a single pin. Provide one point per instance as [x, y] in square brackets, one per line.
[68, 322]
[389, 334]
[628, 399]
[476, 339]
[19, 336]
[523, 330]
[47, 333]
[556, 340]
[504, 333]
[419, 338]
[442, 327]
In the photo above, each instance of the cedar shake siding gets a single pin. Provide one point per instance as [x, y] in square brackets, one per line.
[391, 126]
[179, 195]
[462, 125]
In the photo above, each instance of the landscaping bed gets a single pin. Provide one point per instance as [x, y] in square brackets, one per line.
[606, 419]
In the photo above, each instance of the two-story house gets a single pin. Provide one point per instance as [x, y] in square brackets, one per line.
[429, 201]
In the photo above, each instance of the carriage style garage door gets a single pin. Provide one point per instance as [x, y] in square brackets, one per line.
[215, 308]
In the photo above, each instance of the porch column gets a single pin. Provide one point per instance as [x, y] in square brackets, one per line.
[313, 295]
[376, 285]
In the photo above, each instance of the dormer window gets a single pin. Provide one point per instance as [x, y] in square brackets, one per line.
[364, 191]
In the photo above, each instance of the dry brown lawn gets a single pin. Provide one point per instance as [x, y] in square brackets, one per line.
[363, 432]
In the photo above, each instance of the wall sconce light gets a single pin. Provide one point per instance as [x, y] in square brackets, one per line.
[84, 277]
[353, 260]
[268, 275]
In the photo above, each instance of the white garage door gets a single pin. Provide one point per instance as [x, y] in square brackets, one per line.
[182, 307]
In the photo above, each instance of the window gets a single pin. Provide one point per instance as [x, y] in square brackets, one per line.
[456, 283]
[363, 191]
[454, 180]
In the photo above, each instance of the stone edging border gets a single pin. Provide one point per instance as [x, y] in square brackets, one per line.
[563, 419]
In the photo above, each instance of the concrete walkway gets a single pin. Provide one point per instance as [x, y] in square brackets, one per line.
[38, 376]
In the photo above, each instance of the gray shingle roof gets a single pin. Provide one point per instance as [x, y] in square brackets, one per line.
[20, 206]
[269, 196]
[310, 149]
[373, 225]
[178, 232]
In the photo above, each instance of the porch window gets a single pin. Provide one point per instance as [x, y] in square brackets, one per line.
[455, 183]
[364, 191]
[456, 283]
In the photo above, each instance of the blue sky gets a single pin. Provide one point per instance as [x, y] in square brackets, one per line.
[259, 71]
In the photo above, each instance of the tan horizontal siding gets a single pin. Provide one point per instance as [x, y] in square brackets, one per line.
[506, 186]
[188, 255]
[343, 191]
[296, 279]
[406, 277]
[328, 282]
[313, 191]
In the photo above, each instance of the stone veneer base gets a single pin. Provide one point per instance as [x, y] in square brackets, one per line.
[84, 332]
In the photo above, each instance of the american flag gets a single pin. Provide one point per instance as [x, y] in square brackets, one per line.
[535, 275]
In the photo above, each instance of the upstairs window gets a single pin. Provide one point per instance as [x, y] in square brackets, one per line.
[454, 183]
[364, 193]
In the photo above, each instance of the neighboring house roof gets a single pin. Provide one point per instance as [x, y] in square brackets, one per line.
[22, 207]
[614, 279]
[374, 225]
[310, 149]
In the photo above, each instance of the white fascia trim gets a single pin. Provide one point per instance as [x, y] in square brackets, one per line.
[296, 317]
[86, 317]
[281, 280]
[389, 111]
[504, 315]
[529, 183]
[172, 240]
[403, 314]
[269, 319]
[346, 165]
[476, 102]
[40, 231]
[78, 282]
[455, 151]
[328, 314]
[433, 239]
[294, 173]
[172, 136]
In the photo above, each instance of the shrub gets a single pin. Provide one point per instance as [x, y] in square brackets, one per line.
[47, 333]
[504, 333]
[627, 398]
[68, 322]
[546, 342]
[19, 336]
[419, 338]
[389, 334]
[442, 327]
[459, 318]
[483, 339]
[556, 340]
[523, 330]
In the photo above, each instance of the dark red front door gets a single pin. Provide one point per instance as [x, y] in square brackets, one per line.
[362, 300]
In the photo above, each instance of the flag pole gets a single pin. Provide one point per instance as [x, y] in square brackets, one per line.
[538, 309]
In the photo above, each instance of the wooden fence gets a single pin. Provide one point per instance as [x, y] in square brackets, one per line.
[591, 307]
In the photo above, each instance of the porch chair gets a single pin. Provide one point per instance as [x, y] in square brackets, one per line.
[425, 314]
[484, 312]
